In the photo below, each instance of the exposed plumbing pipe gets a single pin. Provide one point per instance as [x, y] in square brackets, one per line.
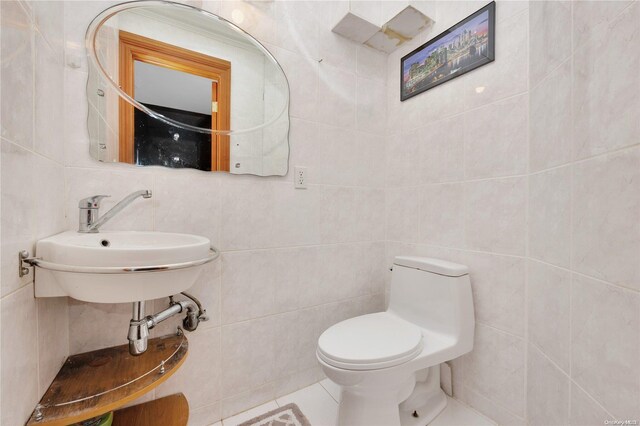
[138, 330]
[140, 325]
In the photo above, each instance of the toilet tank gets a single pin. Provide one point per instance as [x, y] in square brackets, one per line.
[433, 294]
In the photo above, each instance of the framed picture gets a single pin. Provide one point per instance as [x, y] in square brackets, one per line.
[467, 45]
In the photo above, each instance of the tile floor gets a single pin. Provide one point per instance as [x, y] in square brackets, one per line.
[319, 402]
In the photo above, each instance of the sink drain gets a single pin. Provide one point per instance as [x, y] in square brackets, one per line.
[105, 243]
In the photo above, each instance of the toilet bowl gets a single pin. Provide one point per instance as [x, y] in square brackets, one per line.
[388, 363]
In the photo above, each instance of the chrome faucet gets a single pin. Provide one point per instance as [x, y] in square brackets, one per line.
[90, 206]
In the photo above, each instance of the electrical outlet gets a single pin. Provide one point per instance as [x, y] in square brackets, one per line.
[300, 177]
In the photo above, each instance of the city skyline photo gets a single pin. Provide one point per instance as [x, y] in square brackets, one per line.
[463, 47]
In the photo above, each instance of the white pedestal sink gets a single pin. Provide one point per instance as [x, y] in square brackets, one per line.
[118, 267]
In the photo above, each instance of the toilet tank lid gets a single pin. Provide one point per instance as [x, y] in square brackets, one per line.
[437, 266]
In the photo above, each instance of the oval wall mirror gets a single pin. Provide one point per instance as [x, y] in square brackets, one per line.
[173, 85]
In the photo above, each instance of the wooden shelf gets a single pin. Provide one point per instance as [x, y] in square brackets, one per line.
[97, 382]
[171, 410]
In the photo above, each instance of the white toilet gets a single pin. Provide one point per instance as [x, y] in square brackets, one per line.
[388, 363]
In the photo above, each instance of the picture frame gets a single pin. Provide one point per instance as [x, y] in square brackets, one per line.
[465, 46]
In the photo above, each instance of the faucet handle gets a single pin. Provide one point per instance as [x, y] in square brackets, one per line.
[92, 202]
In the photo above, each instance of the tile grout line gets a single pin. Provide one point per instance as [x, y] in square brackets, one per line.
[527, 232]
[571, 202]
[470, 408]
[327, 391]
[496, 403]
[515, 256]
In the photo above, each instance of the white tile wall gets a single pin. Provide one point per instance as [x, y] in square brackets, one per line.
[499, 148]
[17, 45]
[441, 155]
[498, 290]
[496, 215]
[550, 223]
[35, 333]
[20, 356]
[442, 218]
[606, 207]
[495, 368]
[549, 314]
[549, 135]
[606, 114]
[552, 46]
[584, 410]
[547, 391]
[542, 165]
[612, 377]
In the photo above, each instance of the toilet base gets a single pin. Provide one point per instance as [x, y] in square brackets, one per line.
[358, 410]
[376, 404]
[427, 399]
[426, 413]
[393, 401]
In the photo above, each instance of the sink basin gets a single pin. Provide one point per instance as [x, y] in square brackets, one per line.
[118, 267]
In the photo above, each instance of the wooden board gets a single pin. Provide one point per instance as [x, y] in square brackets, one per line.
[172, 410]
[110, 374]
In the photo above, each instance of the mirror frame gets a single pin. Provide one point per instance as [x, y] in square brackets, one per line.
[105, 15]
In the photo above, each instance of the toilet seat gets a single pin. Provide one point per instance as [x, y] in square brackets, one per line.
[370, 342]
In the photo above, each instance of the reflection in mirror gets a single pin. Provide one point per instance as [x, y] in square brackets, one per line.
[188, 98]
[175, 86]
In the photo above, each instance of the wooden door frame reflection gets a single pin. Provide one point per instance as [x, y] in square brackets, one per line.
[133, 47]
